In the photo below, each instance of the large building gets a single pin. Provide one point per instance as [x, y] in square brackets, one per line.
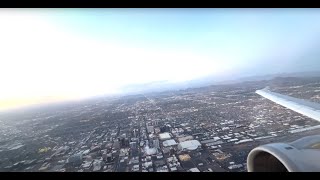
[189, 145]
[185, 138]
[156, 143]
[150, 151]
[75, 160]
[170, 142]
[164, 136]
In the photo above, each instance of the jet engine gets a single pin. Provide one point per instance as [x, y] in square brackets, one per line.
[302, 155]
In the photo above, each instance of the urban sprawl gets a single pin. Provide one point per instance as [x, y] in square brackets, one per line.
[207, 129]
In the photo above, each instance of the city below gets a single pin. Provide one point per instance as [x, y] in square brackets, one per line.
[205, 129]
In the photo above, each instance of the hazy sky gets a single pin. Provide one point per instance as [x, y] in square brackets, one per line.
[54, 54]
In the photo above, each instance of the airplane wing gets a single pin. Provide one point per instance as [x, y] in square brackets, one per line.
[301, 155]
[301, 106]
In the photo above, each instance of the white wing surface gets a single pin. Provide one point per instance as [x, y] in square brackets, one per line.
[301, 106]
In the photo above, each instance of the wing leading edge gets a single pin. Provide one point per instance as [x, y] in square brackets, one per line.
[301, 106]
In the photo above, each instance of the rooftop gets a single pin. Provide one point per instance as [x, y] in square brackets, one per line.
[164, 136]
[189, 145]
[170, 142]
[194, 170]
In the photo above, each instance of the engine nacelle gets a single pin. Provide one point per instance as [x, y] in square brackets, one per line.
[302, 155]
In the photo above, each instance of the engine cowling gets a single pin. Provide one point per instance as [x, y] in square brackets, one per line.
[302, 155]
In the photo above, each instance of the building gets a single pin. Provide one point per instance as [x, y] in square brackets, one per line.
[166, 150]
[135, 133]
[184, 157]
[121, 141]
[124, 142]
[210, 140]
[172, 151]
[156, 143]
[194, 170]
[164, 136]
[124, 152]
[124, 135]
[135, 168]
[185, 138]
[97, 165]
[108, 145]
[155, 123]
[135, 152]
[150, 151]
[107, 156]
[170, 142]
[150, 129]
[165, 129]
[133, 145]
[157, 130]
[189, 145]
[75, 160]
[235, 166]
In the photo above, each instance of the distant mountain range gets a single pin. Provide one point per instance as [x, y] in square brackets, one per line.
[160, 86]
[166, 86]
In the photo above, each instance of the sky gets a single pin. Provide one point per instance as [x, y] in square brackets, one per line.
[49, 55]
